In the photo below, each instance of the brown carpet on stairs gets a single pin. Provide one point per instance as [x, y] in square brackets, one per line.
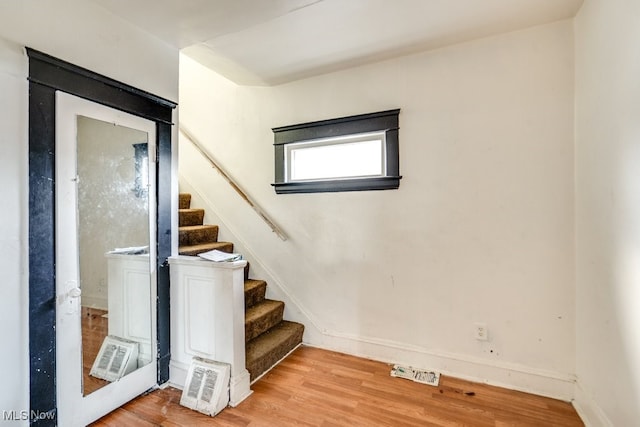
[193, 234]
[261, 317]
[190, 217]
[254, 291]
[184, 201]
[266, 350]
[268, 336]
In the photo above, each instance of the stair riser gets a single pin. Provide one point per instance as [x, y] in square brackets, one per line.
[255, 295]
[198, 236]
[190, 217]
[255, 327]
[184, 201]
[221, 246]
[258, 365]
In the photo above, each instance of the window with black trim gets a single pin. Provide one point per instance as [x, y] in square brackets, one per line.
[354, 153]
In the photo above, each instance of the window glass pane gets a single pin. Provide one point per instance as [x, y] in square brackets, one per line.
[341, 160]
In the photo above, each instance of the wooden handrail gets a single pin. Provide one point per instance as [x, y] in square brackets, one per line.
[233, 184]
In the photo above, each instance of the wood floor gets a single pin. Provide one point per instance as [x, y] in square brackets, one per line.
[94, 330]
[314, 387]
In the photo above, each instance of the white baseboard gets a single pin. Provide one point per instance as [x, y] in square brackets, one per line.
[178, 374]
[590, 412]
[239, 388]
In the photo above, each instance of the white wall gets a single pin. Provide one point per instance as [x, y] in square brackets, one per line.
[78, 32]
[14, 333]
[481, 229]
[608, 211]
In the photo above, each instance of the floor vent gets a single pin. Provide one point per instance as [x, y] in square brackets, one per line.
[117, 357]
[206, 389]
[417, 375]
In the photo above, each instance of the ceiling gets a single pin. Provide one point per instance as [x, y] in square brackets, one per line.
[270, 42]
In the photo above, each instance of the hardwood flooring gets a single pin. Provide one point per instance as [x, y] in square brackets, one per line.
[94, 331]
[314, 387]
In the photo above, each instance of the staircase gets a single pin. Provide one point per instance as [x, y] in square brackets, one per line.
[268, 337]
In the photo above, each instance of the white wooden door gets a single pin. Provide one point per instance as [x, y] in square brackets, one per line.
[75, 407]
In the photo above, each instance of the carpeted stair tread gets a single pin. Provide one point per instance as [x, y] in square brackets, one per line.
[261, 317]
[267, 349]
[184, 201]
[190, 217]
[204, 247]
[197, 234]
[254, 292]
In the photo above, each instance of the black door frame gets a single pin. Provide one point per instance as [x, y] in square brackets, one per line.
[46, 76]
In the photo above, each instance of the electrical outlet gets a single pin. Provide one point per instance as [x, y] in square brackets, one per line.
[481, 334]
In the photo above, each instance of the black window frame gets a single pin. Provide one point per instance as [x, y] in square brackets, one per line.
[386, 121]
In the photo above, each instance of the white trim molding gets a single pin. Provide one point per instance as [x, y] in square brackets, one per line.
[587, 408]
